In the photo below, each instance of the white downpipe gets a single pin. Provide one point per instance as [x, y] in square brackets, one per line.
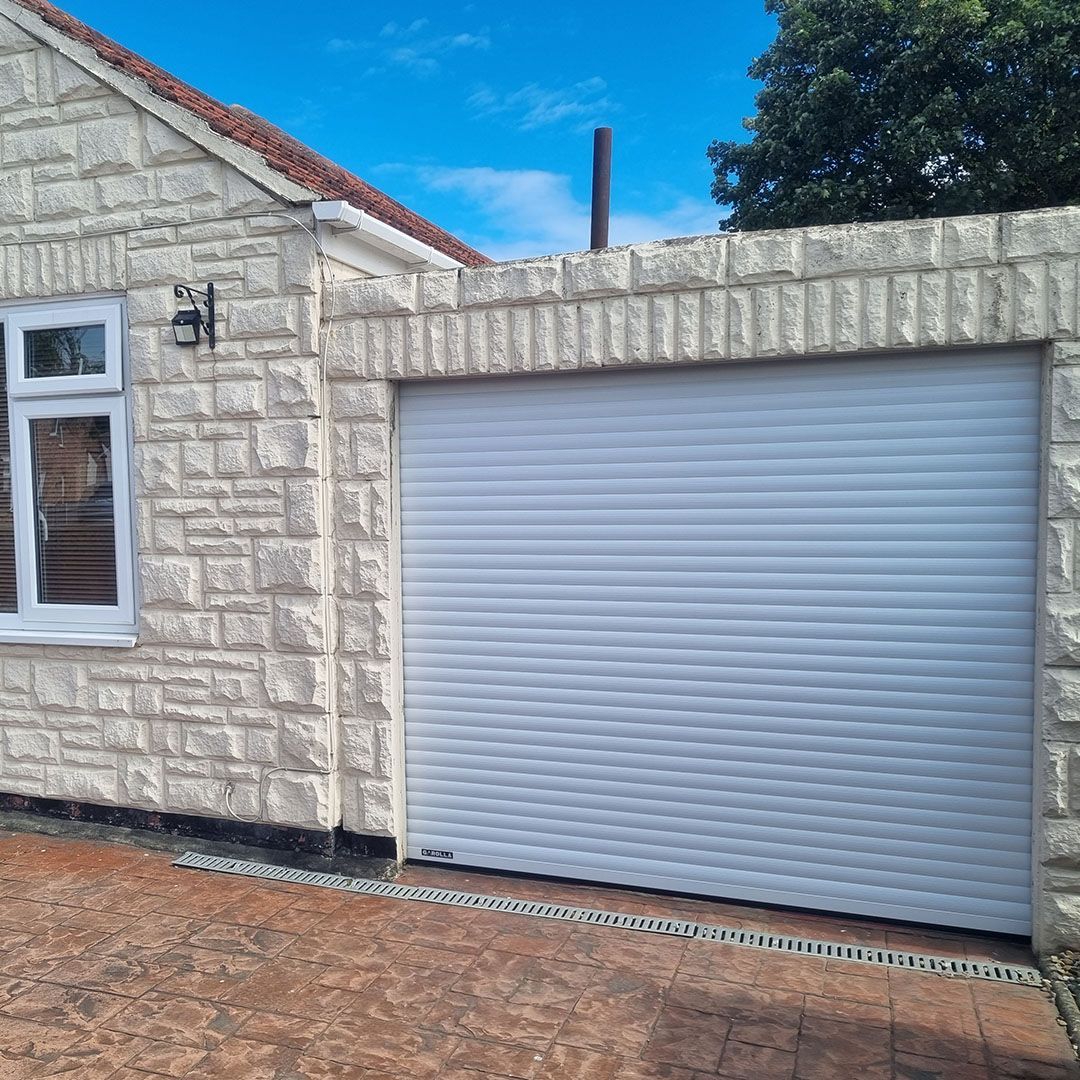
[342, 216]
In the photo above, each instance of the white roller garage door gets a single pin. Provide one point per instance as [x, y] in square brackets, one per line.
[761, 631]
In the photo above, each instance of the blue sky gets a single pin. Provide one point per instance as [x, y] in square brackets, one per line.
[479, 115]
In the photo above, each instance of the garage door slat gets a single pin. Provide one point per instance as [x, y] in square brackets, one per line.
[827, 851]
[993, 812]
[979, 835]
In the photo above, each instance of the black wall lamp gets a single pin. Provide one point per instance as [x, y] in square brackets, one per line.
[187, 322]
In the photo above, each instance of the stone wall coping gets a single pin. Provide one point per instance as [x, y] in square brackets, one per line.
[726, 260]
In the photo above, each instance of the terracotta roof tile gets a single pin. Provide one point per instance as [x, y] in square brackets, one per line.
[281, 151]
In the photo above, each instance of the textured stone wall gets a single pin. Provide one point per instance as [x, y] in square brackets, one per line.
[822, 291]
[962, 281]
[229, 681]
[367, 640]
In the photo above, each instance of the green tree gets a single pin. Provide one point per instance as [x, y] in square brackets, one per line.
[877, 110]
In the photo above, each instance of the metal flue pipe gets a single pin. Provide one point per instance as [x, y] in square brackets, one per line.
[601, 187]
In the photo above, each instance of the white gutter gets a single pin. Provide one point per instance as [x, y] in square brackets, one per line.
[342, 217]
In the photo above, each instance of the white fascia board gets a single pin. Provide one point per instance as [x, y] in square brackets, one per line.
[354, 237]
[245, 161]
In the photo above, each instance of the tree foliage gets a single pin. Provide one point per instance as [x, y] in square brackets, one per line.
[878, 110]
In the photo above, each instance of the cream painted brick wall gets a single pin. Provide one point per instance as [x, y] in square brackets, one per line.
[228, 681]
[823, 291]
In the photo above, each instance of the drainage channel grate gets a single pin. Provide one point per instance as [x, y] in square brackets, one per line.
[752, 939]
[868, 954]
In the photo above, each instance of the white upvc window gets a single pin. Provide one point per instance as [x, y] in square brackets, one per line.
[67, 564]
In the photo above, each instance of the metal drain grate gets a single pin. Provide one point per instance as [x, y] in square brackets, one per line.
[868, 954]
[752, 939]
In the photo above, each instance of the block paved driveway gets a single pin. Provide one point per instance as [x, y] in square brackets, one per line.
[115, 965]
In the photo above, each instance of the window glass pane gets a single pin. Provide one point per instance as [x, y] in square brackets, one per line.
[8, 598]
[66, 350]
[73, 502]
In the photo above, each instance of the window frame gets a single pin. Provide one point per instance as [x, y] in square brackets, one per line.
[57, 397]
[18, 322]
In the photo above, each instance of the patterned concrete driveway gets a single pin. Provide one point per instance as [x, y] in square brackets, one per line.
[115, 965]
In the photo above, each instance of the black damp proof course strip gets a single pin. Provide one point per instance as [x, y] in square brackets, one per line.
[751, 939]
[319, 842]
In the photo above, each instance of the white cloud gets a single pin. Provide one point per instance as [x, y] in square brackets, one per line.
[412, 60]
[409, 48]
[344, 45]
[582, 105]
[392, 29]
[469, 41]
[527, 212]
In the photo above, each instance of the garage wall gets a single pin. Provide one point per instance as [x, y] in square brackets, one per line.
[824, 291]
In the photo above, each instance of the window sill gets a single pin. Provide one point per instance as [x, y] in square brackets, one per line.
[106, 639]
